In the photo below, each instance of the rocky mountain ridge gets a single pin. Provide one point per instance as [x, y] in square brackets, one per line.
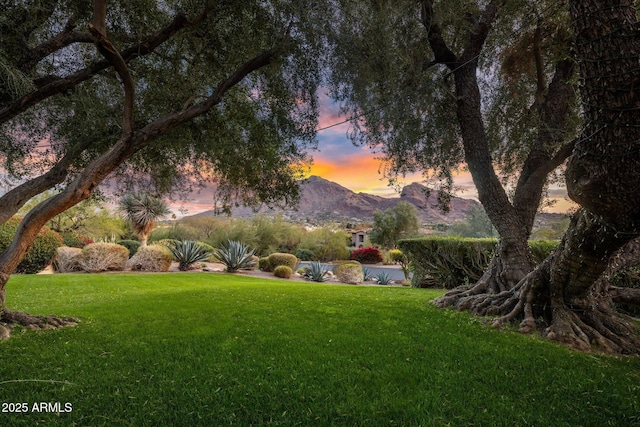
[321, 199]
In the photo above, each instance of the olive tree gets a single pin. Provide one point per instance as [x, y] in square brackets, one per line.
[152, 94]
[435, 85]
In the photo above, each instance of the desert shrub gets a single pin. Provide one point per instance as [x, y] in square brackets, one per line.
[326, 244]
[67, 259]
[316, 272]
[367, 255]
[447, 262]
[350, 273]
[283, 271]
[277, 259]
[396, 255]
[235, 256]
[188, 252]
[151, 258]
[74, 240]
[305, 255]
[451, 262]
[41, 253]
[265, 265]
[103, 257]
[338, 263]
[131, 245]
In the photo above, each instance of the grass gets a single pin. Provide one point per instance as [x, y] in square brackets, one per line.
[213, 349]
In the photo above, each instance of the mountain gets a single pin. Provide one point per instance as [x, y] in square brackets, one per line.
[321, 199]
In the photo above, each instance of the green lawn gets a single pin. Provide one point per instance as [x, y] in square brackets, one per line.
[212, 349]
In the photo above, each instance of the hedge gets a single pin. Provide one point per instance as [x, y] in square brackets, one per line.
[451, 262]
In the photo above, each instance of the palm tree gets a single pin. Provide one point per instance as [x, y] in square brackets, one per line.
[143, 210]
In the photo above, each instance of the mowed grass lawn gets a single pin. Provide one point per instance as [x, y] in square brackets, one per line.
[201, 349]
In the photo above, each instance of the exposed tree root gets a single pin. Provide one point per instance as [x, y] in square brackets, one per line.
[10, 319]
[590, 324]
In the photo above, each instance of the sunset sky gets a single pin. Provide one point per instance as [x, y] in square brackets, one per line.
[358, 169]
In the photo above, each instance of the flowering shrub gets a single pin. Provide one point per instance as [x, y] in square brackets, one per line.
[367, 255]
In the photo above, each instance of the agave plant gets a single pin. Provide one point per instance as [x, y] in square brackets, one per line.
[367, 274]
[316, 272]
[188, 252]
[383, 279]
[235, 255]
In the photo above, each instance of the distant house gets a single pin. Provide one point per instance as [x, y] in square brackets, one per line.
[358, 238]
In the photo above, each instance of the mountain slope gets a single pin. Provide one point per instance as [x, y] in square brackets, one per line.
[321, 199]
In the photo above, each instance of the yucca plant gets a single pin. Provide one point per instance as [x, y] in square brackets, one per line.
[367, 274]
[143, 210]
[235, 255]
[188, 252]
[316, 272]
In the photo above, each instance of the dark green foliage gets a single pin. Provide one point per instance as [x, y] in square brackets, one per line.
[265, 265]
[541, 249]
[277, 259]
[393, 224]
[74, 240]
[188, 252]
[367, 255]
[283, 271]
[451, 262]
[305, 255]
[235, 256]
[41, 253]
[316, 272]
[132, 245]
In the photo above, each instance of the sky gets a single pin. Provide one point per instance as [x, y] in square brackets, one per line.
[359, 169]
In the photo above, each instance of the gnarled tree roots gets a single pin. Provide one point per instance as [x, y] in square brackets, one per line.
[588, 323]
[10, 319]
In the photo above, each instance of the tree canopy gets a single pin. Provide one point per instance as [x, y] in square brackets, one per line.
[158, 95]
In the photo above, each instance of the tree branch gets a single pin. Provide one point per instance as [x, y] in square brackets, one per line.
[56, 85]
[57, 42]
[441, 52]
[13, 200]
[106, 48]
[100, 168]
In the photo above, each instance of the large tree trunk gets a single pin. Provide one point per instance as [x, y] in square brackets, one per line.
[563, 295]
[513, 220]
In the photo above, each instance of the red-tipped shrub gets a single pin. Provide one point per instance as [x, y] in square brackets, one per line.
[367, 255]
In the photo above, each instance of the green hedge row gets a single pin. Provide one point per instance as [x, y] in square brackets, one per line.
[451, 262]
